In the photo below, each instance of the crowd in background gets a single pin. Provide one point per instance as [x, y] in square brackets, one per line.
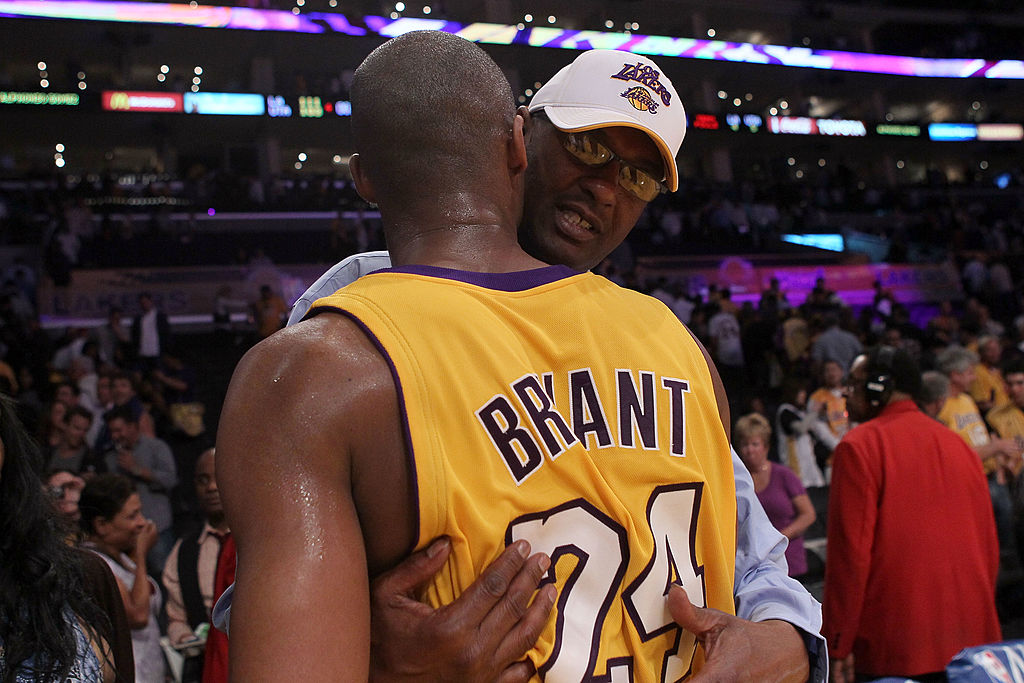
[123, 415]
[148, 220]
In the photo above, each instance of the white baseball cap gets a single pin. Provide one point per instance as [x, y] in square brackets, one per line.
[602, 88]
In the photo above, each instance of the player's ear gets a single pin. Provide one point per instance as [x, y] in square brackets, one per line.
[528, 122]
[363, 184]
[517, 145]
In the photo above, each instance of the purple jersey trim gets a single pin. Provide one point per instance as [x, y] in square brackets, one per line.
[502, 282]
[406, 431]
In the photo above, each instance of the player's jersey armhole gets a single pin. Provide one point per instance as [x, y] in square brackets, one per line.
[402, 409]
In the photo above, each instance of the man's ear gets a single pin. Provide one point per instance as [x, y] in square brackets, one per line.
[363, 184]
[517, 144]
[524, 112]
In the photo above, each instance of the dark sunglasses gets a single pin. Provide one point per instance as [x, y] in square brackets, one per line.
[590, 152]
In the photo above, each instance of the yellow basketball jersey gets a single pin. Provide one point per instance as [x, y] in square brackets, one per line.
[563, 409]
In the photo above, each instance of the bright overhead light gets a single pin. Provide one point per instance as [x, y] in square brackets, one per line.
[528, 18]
[426, 9]
[400, 6]
[41, 66]
[551, 19]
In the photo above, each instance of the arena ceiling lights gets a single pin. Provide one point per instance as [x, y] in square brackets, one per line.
[499, 34]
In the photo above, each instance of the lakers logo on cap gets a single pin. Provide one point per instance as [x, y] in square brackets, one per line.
[641, 99]
[645, 75]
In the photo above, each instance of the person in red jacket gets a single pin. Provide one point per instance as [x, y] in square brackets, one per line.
[912, 550]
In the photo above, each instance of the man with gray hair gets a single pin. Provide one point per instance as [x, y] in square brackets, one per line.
[933, 394]
[961, 414]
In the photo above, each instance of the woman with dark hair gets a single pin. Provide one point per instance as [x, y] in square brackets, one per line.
[53, 625]
[116, 530]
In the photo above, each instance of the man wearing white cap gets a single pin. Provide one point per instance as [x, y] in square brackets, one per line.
[606, 106]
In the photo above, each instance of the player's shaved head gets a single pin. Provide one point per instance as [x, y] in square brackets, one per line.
[429, 111]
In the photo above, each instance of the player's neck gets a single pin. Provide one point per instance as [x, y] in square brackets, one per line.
[478, 245]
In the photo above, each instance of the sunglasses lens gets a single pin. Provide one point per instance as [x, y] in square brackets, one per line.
[588, 150]
[592, 153]
[640, 183]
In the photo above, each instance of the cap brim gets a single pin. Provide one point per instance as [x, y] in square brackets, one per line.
[577, 119]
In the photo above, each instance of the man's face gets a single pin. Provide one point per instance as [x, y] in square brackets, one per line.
[573, 214]
[1015, 386]
[78, 426]
[206, 486]
[833, 374]
[960, 380]
[123, 433]
[66, 395]
[990, 352]
[857, 405]
[122, 390]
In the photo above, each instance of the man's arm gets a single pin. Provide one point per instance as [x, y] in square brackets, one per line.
[765, 594]
[301, 600]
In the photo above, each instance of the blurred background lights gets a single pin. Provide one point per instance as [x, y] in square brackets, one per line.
[302, 156]
[198, 71]
[400, 6]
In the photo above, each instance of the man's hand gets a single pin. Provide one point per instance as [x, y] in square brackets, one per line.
[126, 459]
[741, 651]
[477, 638]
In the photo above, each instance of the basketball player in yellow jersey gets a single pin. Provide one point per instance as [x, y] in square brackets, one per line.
[592, 446]
[328, 425]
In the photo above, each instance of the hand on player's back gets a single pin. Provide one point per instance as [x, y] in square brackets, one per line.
[478, 638]
[741, 651]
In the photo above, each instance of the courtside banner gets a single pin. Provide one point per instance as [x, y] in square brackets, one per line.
[996, 663]
[126, 100]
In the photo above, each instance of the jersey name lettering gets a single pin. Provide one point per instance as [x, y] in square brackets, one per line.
[524, 424]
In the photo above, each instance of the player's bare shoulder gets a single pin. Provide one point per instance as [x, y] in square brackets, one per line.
[304, 386]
